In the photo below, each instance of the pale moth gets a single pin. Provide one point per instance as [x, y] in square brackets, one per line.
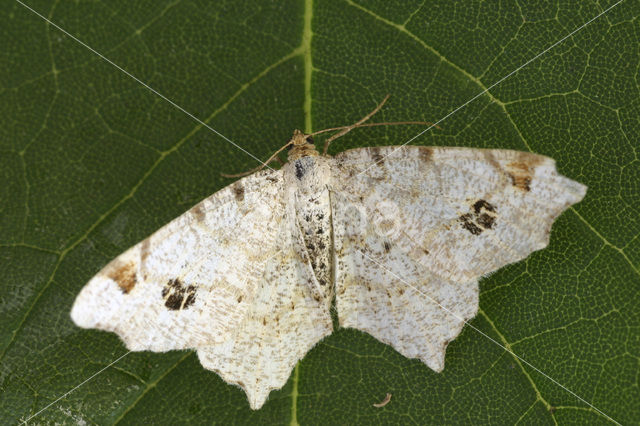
[397, 236]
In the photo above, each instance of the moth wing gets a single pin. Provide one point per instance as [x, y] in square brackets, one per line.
[415, 228]
[283, 323]
[224, 278]
[190, 283]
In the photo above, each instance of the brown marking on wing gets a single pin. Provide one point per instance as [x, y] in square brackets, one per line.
[238, 191]
[425, 153]
[491, 159]
[144, 251]
[125, 276]
[378, 159]
[521, 171]
[521, 182]
[533, 160]
[198, 212]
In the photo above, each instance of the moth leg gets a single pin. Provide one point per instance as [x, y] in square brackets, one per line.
[279, 160]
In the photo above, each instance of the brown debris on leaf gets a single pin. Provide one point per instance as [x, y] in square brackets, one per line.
[384, 402]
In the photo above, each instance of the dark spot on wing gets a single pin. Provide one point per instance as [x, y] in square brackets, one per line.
[480, 217]
[466, 220]
[177, 295]
[485, 220]
[173, 302]
[238, 191]
[378, 159]
[125, 276]
[300, 171]
[239, 299]
[190, 297]
[387, 247]
[482, 204]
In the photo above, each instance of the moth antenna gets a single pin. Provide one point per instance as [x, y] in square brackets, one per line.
[347, 129]
[361, 123]
[343, 131]
[384, 123]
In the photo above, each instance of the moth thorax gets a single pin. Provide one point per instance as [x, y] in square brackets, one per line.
[302, 151]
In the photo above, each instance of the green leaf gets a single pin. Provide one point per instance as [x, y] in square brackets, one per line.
[92, 162]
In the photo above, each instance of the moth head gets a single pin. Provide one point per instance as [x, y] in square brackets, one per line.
[301, 145]
[301, 139]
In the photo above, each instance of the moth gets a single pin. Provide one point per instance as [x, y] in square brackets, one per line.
[395, 238]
